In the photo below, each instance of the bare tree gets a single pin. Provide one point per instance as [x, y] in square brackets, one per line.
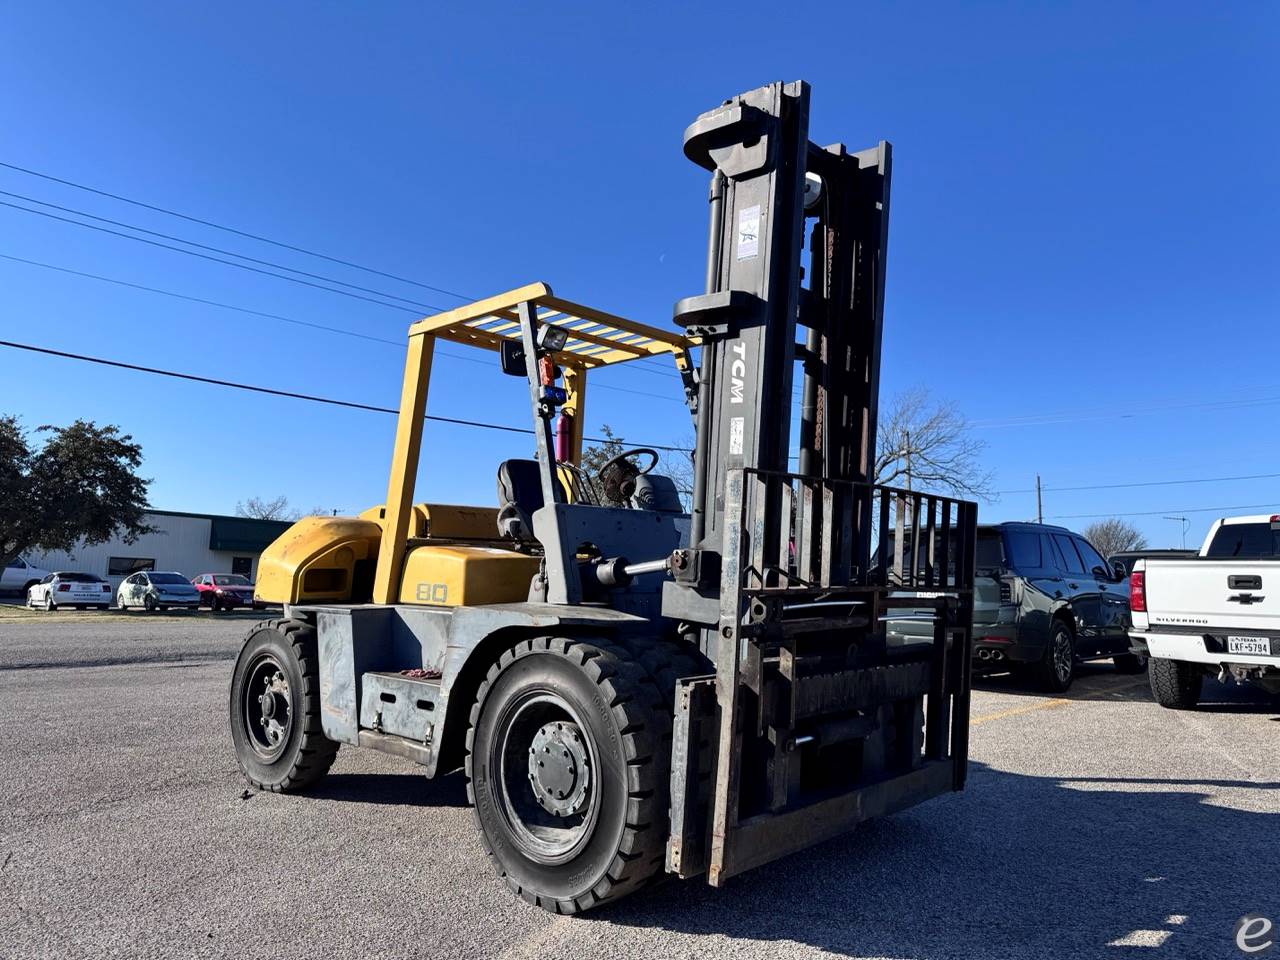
[277, 508]
[927, 443]
[1114, 535]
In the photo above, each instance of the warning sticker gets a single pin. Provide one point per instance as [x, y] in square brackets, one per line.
[735, 435]
[749, 232]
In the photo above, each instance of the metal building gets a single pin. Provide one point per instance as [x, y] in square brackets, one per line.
[191, 543]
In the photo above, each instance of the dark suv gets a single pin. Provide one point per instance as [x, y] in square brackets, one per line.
[1055, 602]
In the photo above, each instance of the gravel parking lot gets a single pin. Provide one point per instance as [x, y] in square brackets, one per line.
[1095, 824]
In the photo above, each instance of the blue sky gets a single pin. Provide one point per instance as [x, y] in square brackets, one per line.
[1083, 251]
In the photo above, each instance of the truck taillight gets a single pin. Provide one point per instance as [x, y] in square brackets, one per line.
[1138, 592]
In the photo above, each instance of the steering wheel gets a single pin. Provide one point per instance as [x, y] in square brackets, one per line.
[625, 456]
[618, 475]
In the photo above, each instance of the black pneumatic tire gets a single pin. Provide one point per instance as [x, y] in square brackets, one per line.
[304, 754]
[616, 706]
[1175, 684]
[1053, 673]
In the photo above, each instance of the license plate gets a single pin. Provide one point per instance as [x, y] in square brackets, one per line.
[1252, 646]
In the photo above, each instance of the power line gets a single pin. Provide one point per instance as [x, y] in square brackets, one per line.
[1147, 483]
[279, 276]
[1167, 510]
[227, 253]
[649, 365]
[232, 230]
[205, 256]
[399, 344]
[1038, 420]
[351, 404]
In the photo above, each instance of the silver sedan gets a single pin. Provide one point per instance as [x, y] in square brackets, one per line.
[157, 590]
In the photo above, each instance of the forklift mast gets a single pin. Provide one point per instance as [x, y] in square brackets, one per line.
[814, 719]
[768, 181]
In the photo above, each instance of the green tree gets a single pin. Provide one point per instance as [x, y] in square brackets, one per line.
[81, 485]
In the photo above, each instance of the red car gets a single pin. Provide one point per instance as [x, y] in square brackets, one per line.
[223, 591]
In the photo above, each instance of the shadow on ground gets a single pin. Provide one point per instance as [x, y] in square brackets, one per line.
[1017, 866]
[396, 789]
[1102, 682]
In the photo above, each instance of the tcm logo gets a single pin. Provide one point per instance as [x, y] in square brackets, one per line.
[433, 593]
[737, 372]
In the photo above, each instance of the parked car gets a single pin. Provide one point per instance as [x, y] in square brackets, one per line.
[68, 589]
[1059, 603]
[157, 590]
[1213, 614]
[224, 591]
[18, 576]
[1127, 558]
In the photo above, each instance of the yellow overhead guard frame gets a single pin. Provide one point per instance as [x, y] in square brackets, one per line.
[595, 339]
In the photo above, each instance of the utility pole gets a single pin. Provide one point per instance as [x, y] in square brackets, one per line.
[1039, 504]
[1186, 525]
[906, 434]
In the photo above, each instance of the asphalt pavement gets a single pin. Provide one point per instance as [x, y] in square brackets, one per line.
[1095, 824]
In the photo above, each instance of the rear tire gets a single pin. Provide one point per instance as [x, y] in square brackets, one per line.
[590, 827]
[49, 605]
[275, 708]
[1058, 667]
[1175, 684]
[1130, 663]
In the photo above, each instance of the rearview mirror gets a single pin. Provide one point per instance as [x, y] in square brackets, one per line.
[513, 364]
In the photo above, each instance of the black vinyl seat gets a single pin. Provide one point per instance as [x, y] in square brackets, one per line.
[519, 496]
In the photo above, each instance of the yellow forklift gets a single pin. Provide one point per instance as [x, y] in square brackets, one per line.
[634, 684]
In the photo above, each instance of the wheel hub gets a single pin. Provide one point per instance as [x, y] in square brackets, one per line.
[267, 708]
[559, 768]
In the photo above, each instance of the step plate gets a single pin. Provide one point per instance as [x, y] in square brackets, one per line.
[400, 706]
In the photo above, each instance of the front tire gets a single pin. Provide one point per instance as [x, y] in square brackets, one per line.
[275, 708]
[568, 762]
[1058, 667]
[1175, 684]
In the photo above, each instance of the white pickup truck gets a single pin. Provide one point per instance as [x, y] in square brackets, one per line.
[1214, 614]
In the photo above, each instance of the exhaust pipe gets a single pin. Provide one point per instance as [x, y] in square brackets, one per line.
[997, 654]
[983, 653]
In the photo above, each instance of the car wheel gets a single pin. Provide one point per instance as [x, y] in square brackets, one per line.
[49, 605]
[1058, 668]
[149, 604]
[567, 764]
[214, 605]
[1175, 684]
[1130, 663]
[275, 708]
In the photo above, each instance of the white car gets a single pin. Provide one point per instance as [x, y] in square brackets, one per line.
[157, 590]
[67, 589]
[18, 576]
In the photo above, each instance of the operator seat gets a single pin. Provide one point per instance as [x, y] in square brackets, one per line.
[519, 496]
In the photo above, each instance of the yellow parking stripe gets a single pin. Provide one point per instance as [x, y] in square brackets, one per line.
[1014, 711]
